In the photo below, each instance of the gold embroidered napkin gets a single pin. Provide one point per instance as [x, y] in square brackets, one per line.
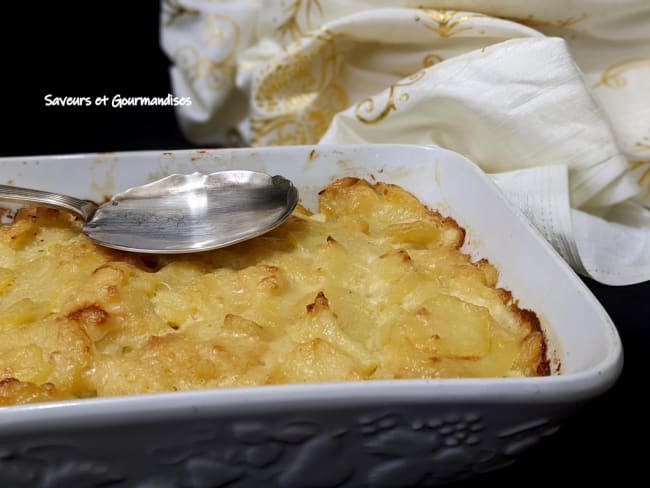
[550, 98]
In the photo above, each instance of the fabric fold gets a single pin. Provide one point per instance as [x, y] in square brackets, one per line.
[551, 99]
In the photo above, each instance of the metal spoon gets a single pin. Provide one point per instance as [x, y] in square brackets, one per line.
[179, 213]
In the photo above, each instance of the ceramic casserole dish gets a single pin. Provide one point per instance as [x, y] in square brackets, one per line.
[378, 433]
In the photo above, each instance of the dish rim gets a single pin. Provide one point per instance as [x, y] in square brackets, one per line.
[565, 387]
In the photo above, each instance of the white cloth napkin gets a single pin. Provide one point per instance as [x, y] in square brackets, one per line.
[551, 98]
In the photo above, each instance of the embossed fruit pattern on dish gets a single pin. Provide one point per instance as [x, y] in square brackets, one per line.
[385, 449]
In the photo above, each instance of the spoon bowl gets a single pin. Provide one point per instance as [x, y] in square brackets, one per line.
[178, 213]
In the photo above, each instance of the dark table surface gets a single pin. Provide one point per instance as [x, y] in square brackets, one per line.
[117, 52]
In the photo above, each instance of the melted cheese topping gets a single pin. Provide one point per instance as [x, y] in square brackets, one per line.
[374, 286]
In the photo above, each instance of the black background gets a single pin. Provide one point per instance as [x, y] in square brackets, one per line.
[69, 50]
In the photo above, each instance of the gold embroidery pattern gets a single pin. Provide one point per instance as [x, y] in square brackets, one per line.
[324, 34]
[290, 27]
[365, 109]
[217, 30]
[296, 97]
[302, 127]
[214, 32]
[613, 77]
[431, 59]
[173, 9]
[446, 23]
[289, 86]
[293, 82]
[644, 175]
[217, 75]
[642, 166]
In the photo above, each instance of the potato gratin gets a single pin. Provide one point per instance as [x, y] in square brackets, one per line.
[372, 287]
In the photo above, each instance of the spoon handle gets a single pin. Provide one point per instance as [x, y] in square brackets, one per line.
[82, 208]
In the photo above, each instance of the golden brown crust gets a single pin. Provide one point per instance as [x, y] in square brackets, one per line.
[13, 392]
[373, 286]
[320, 303]
[89, 315]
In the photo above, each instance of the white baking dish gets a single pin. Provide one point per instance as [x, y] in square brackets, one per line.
[382, 433]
